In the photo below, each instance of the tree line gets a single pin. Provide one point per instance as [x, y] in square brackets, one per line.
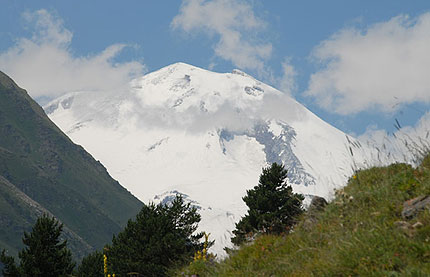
[160, 238]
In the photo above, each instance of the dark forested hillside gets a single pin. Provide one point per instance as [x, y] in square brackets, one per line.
[43, 171]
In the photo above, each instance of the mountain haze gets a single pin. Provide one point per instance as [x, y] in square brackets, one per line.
[43, 171]
[205, 135]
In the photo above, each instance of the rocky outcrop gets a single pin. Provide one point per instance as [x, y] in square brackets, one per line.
[413, 206]
[317, 205]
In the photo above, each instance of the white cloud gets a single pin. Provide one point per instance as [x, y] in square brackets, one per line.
[236, 25]
[379, 67]
[287, 83]
[408, 144]
[45, 66]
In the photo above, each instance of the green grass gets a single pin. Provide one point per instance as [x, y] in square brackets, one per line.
[355, 235]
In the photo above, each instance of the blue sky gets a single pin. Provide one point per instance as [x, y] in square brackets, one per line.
[359, 65]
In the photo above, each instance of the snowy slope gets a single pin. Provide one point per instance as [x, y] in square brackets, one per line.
[206, 135]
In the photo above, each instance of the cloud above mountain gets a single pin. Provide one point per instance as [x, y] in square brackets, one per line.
[236, 27]
[47, 67]
[287, 82]
[408, 144]
[380, 67]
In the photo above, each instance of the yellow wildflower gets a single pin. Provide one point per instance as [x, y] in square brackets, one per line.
[105, 264]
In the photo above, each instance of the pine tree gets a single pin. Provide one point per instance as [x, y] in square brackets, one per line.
[9, 266]
[160, 237]
[92, 265]
[272, 205]
[44, 255]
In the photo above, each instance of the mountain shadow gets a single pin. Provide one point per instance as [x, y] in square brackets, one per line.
[43, 171]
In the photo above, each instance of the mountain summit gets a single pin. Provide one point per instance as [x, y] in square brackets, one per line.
[205, 135]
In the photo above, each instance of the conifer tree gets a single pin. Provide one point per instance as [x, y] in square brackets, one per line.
[9, 266]
[92, 265]
[44, 255]
[272, 205]
[160, 237]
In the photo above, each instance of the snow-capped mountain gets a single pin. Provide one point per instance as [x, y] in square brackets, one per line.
[205, 135]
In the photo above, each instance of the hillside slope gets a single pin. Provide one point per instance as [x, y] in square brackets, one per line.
[41, 170]
[362, 232]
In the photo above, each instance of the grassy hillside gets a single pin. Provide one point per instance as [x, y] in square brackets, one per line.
[41, 170]
[360, 233]
[18, 212]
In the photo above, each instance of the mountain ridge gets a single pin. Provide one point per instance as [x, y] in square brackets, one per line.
[38, 162]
